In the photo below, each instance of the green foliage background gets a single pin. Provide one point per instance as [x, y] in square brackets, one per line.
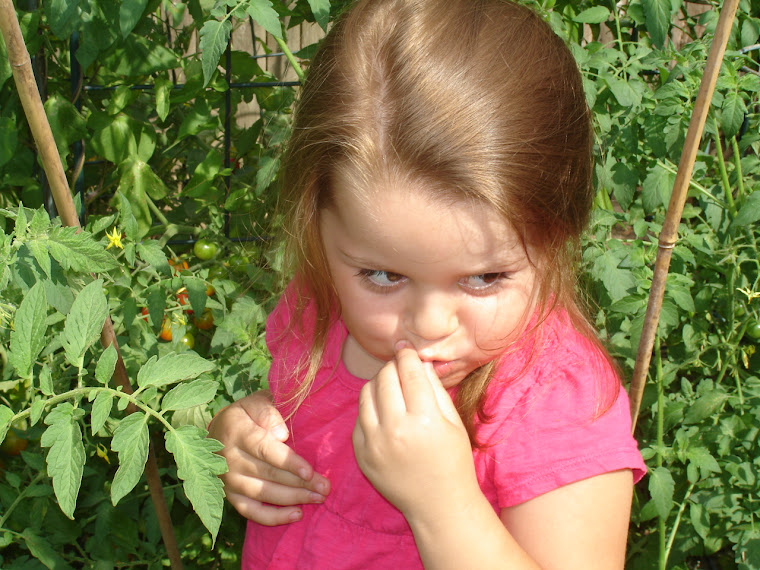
[156, 179]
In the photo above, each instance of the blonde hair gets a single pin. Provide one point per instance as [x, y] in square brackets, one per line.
[474, 99]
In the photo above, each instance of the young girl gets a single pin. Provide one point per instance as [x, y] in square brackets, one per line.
[437, 399]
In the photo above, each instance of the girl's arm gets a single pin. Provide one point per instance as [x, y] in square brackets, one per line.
[263, 470]
[411, 444]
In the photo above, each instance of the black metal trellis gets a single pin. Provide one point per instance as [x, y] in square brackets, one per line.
[78, 87]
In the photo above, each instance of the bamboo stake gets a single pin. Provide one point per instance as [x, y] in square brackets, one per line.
[669, 234]
[20, 62]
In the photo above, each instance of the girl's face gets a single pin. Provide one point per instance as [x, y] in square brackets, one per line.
[450, 278]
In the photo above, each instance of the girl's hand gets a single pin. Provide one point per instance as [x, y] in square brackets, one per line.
[410, 442]
[262, 469]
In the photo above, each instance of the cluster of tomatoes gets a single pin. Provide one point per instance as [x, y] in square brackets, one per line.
[204, 250]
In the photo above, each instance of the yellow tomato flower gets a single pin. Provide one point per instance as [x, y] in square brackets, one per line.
[114, 239]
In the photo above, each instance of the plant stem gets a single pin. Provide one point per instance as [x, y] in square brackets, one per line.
[660, 442]
[723, 172]
[158, 213]
[677, 522]
[81, 392]
[20, 497]
[291, 58]
[738, 169]
[617, 25]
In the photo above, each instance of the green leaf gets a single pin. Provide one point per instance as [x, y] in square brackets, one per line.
[617, 281]
[199, 466]
[106, 365]
[321, 11]
[101, 409]
[46, 381]
[657, 13]
[139, 55]
[705, 406]
[623, 91]
[6, 415]
[28, 338]
[172, 368]
[130, 12]
[656, 188]
[8, 133]
[62, 16]
[703, 460]
[196, 293]
[140, 177]
[263, 13]
[661, 487]
[153, 254]
[595, 15]
[749, 213]
[732, 114]
[66, 122]
[66, 457]
[35, 411]
[41, 255]
[43, 551]
[131, 441]
[162, 88]
[77, 250]
[190, 394]
[84, 322]
[214, 39]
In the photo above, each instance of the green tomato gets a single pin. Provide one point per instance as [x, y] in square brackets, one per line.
[205, 249]
[753, 331]
[188, 340]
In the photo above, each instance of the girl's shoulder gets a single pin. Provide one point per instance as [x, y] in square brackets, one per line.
[558, 373]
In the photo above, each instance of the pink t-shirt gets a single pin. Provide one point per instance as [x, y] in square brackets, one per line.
[548, 429]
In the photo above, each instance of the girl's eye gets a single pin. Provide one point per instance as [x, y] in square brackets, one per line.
[483, 281]
[379, 278]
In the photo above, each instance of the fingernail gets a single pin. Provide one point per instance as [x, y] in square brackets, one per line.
[316, 498]
[401, 344]
[304, 474]
[295, 516]
[322, 488]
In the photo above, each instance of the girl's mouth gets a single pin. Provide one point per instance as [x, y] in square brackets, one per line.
[442, 367]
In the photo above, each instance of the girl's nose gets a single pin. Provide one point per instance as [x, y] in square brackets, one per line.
[432, 316]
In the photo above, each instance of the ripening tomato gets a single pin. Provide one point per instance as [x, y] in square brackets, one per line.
[166, 329]
[178, 265]
[205, 249]
[205, 321]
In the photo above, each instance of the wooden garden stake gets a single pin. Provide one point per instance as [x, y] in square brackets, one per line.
[20, 62]
[669, 234]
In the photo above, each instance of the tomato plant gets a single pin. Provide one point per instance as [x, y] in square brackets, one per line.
[205, 249]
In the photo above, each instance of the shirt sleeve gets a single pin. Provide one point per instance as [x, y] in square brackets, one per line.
[571, 422]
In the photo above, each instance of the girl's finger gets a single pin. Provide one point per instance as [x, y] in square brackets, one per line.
[443, 398]
[267, 515]
[367, 419]
[269, 492]
[416, 387]
[389, 397]
[266, 448]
